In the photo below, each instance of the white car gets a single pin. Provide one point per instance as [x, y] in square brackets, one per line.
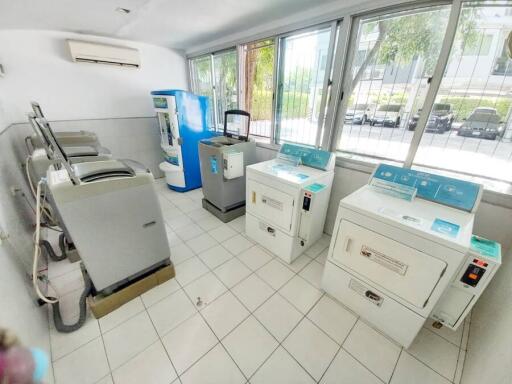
[388, 115]
[359, 113]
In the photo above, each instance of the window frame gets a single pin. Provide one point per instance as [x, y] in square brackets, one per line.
[341, 53]
[193, 85]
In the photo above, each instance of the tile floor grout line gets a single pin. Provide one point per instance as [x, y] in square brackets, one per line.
[293, 329]
[251, 313]
[457, 364]
[182, 287]
[444, 338]
[339, 349]
[467, 344]
[428, 366]
[218, 338]
[50, 342]
[360, 362]
[396, 364]
[276, 291]
[163, 345]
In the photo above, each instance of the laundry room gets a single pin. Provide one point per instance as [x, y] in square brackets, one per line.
[273, 192]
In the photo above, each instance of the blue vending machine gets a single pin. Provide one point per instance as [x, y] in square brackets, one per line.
[183, 120]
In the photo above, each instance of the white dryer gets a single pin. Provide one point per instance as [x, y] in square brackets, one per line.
[287, 199]
[397, 244]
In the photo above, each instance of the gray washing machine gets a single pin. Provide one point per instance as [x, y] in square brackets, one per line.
[223, 160]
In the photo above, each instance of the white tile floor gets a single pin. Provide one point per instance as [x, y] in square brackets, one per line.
[236, 314]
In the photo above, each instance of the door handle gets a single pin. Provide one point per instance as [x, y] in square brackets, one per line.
[348, 241]
[372, 296]
[254, 197]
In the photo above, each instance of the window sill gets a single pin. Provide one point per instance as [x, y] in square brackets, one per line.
[495, 193]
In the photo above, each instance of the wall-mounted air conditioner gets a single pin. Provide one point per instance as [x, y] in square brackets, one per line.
[88, 52]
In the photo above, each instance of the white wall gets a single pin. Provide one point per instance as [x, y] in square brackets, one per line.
[38, 67]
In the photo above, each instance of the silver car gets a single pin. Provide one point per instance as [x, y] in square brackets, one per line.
[483, 123]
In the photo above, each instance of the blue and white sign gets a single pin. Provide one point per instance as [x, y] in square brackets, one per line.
[439, 189]
[310, 157]
[445, 227]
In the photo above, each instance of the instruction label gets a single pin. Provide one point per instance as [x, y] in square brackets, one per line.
[386, 261]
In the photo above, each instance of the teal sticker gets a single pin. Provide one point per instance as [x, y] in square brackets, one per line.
[316, 187]
[160, 102]
[485, 247]
[302, 176]
[213, 165]
[173, 160]
[445, 228]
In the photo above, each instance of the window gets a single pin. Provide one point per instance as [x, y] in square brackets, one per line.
[215, 76]
[258, 64]
[502, 65]
[225, 66]
[472, 134]
[202, 81]
[479, 44]
[387, 82]
[301, 75]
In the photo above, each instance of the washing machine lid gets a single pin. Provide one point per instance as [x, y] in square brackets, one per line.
[445, 225]
[296, 176]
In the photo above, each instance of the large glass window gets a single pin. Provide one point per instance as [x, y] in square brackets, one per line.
[202, 80]
[258, 64]
[393, 59]
[301, 74]
[469, 129]
[215, 76]
[225, 66]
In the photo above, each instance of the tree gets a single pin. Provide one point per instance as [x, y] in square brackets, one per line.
[403, 38]
[259, 70]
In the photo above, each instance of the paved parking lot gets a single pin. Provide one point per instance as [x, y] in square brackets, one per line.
[490, 158]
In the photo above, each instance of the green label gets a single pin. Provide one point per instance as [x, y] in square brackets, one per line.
[315, 187]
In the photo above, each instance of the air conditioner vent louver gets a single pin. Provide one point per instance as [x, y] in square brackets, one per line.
[88, 52]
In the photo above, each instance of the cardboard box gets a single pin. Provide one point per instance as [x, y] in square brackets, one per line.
[103, 305]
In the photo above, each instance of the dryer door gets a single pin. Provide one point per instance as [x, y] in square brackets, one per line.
[403, 271]
[270, 204]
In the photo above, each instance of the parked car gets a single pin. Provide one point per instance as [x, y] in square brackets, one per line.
[483, 123]
[358, 113]
[389, 115]
[413, 122]
[440, 120]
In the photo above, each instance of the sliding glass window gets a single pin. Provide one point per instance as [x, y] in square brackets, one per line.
[303, 63]
[202, 80]
[469, 129]
[392, 58]
[258, 79]
[225, 68]
[215, 76]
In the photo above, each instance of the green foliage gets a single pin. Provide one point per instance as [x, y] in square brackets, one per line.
[419, 35]
[294, 105]
[463, 106]
[264, 68]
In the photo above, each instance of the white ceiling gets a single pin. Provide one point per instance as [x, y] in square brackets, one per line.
[173, 23]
